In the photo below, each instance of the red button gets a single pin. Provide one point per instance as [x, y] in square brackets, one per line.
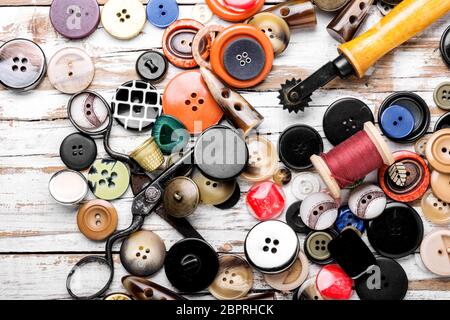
[333, 283]
[265, 201]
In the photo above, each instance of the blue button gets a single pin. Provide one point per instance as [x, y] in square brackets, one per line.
[347, 219]
[397, 122]
[162, 13]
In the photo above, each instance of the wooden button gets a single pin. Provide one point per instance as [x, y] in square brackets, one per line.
[438, 150]
[97, 219]
[181, 197]
[235, 11]
[262, 160]
[435, 209]
[143, 289]
[71, 70]
[292, 278]
[213, 192]
[440, 183]
[282, 176]
[108, 179]
[123, 19]
[435, 252]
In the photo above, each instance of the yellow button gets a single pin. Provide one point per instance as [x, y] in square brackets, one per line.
[123, 19]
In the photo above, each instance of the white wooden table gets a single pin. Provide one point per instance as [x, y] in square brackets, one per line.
[39, 239]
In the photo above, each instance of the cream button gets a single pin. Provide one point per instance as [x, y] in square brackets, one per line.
[367, 201]
[435, 252]
[440, 183]
[123, 19]
[292, 278]
[263, 159]
[304, 184]
[435, 209]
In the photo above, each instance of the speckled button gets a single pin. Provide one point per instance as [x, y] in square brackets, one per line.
[440, 183]
[181, 197]
[161, 13]
[123, 19]
[333, 283]
[441, 96]
[435, 252]
[294, 220]
[346, 219]
[108, 179]
[319, 211]
[22, 63]
[282, 176]
[78, 151]
[304, 184]
[75, 19]
[201, 13]
[367, 201]
[421, 145]
[316, 246]
[71, 70]
[142, 253]
[152, 66]
[213, 192]
[308, 291]
[397, 122]
[97, 219]
[438, 150]
[265, 200]
[234, 279]
[292, 278]
[435, 210]
[263, 159]
[445, 46]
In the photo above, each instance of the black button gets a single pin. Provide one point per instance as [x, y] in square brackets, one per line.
[443, 122]
[445, 46]
[78, 151]
[293, 218]
[397, 232]
[244, 59]
[152, 66]
[389, 282]
[296, 146]
[316, 246]
[191, 265]
[419, 109]
[232, 201]
[344, 118]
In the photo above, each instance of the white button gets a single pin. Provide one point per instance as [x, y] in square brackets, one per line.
[319, 211]
[367, 201]
[201, 13]
[123, 19]
[305, 184]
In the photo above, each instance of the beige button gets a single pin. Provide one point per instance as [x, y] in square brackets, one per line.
[213, 192]
[438, 150]
[282, 176]
[123, 19]
[181, 197]
[330, 5]
[440, 183]
[117, 296]
[421, 145]
[435, 252]
[234, 279]
[292, 278]
[308, 291]
[201, 13]
[263, 159]
[97, 219]
[434, 209]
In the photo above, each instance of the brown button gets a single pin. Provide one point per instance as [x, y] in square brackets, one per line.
[213, 192]
[181, 197]
[330, 5]
[434, 209]
[262, 160]
[308, 291]
[438, 150]
[282, 176]
[97, 219]
[234, 279]
[143, 253]
[117, 296]
[421, 145]
[292, 278]
[435, 252]
[440, 183]
[71, 70]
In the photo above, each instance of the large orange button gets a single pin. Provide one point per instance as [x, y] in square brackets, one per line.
[235, 11]
[188, 99]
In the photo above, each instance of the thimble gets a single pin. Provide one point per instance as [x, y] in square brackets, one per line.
[148, 155]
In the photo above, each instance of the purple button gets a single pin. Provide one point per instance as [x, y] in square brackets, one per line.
[75, 19]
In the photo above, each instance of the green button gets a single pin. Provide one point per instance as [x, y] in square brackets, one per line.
[108, 179]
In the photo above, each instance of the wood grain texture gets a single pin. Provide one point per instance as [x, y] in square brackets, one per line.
[39, 239]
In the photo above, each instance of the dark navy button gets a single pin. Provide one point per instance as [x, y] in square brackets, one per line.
[162, 13]
[344, 118]
[244, 59]
[397, 122]
[443, 122]
[385, 281]
[296, 146]
[445, 46]
[347, 219]
[152, 66]
[294, 220]
[78, 151]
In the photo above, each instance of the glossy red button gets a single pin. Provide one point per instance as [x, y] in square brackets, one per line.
[333, 283]
[265, 201]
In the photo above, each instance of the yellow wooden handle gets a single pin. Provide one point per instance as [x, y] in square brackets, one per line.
[402, 23]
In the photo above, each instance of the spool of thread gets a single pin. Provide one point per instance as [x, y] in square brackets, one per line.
[353, 159]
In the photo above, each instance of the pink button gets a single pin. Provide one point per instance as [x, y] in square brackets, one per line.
[265, 201]
[240, 4]
[333, 283]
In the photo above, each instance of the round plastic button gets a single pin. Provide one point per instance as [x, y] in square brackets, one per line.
[75, 19]
[346, 219]
[234, 279]
[294, 220]
[421, 145]
[333, 283]
[443, 122]
[187, 98]
[367, 201]
[305, 184]
[440, 183]
[244, 59]
[435, 210]
[292, 278]
[344, 118]
[181, 197]
[117, 296]
[22, 63]
[108, 179]
[123, 19]
[71, 70]
[265, 201]
[142, 253]
[445, 46]
[97, 219]
[385, 281]
[170, 134]
[232, 201]
[191, 265]
[397, 122]
[435, 252]
[282, 176]
[234, 10]
[296, 146]
[397, 232]
[262, 161]
[442, 96]
[308, 291]
[68, 187]
[152, 66]
[319, 211]
[438, 150]
[330, 5]
[161, 13]
[201, 13]
[78, 151]
[213, 192]
[316, 246]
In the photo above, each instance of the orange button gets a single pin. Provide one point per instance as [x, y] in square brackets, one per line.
[97, 219]
[230, 11]
[188, 99]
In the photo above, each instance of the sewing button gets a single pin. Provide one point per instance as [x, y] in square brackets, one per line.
[294, 220]
[161, 13]
[108, 179]
[443, 122]
[435, 252]
[344, 118]
[397, 122]
[333, 283]
[445, 46]
[308, 291]
[296, 146]
[275, 28]
[441, 96]
[316, 246]
[123, 19]
[191, 265]
[170, 134]
[97, 219]
[136, 105]
[71, 70]
[187, 98]
[22, 63]
[282, 176]
[319, 211]
[421, 145]
[305, 184]
[181, 197]
[265, 201]
[271, 246]
[201, 13]
[78, 151]
[435, 210]
[68, 187]
[346, 219]
[262, 161]
[330, 5]
[75, 19]
[213, 192]
[232, 201]
[142, 253]
[385, 281]
[440, 183]
[117, 296]
[438, 150]
[152, 66]
[234, 10]
[244, 59]
[292, 278]
[367, 201]
[234, 279]
[397, 232]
